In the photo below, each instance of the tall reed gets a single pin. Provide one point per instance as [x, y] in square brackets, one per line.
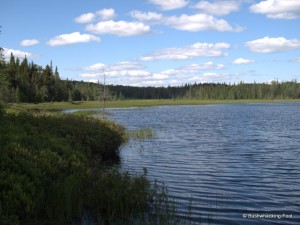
[141, 134]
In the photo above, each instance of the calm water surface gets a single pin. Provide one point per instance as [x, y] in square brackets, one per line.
[225, 161]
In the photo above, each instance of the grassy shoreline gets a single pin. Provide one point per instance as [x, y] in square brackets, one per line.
[139, 103]
[58, 169]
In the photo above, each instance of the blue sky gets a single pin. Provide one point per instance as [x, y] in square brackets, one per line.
[157, 42]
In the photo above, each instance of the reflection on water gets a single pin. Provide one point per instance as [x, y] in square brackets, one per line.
[223, 161]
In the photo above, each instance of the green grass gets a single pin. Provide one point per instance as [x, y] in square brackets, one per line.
[87, 112]
[138, 103]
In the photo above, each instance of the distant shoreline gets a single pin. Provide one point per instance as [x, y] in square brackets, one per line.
[139, 103]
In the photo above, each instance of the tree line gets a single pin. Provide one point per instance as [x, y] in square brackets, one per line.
[213, 91]
[23, 81]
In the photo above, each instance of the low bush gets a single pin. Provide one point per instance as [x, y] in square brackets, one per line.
[54, 170]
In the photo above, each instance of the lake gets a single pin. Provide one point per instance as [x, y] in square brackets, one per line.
[223, 164]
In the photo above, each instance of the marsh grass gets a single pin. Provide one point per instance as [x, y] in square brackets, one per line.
[132, 199]
[92, 112]
[87, 112]
[141, 134]
[54, 106]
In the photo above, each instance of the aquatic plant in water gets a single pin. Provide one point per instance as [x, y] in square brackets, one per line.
[141, 134]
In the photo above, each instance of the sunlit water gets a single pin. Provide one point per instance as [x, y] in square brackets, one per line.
[224, 162]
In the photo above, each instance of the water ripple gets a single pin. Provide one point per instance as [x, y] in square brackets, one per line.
[221, 161]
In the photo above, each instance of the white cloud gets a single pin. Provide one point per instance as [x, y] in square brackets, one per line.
[95, 67]
[135, 73]
[278, 9]
[183, 74]
[121, 69]
[151, 17]
[73, 38]
[218, 8]
[119, 73]
[210, 77]
[106, 14]
[92, 81]
[91, 75]
[188, 52]
[171, 72]
[85, 18]
[271, 45]
[29, 42]
[125, 65]
[119, 28]
[214, 75]
[132, 73]
[295, 60]
[153, 83]
[192, 69]
[17, 54]
[169, 4]
[198, 22]
[159, 76]
[192, 23]
[240, 61]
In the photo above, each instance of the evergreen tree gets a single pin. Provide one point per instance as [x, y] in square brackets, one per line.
[18, 95]
[12, 69]
[4, 84]
[70, 98]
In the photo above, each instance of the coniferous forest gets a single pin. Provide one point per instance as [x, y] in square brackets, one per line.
[24, 81]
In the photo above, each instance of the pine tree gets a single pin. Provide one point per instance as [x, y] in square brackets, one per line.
[12, 70]
[18, 95]
[70, 98]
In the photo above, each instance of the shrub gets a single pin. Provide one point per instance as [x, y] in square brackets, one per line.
[53, 171]
[44, 159]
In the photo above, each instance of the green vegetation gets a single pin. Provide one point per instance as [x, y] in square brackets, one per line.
[56, 106]
[87, 112]
[54, 169]
[141, 134]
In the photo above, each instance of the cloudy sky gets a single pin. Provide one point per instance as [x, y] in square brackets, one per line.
[157, 42]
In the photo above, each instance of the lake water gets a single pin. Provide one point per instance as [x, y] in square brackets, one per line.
[226, 162]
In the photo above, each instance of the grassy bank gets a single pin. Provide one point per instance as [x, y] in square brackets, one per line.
[139, 103]
[53, 170]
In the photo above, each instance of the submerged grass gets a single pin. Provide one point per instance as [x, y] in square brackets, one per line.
[55, 169]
